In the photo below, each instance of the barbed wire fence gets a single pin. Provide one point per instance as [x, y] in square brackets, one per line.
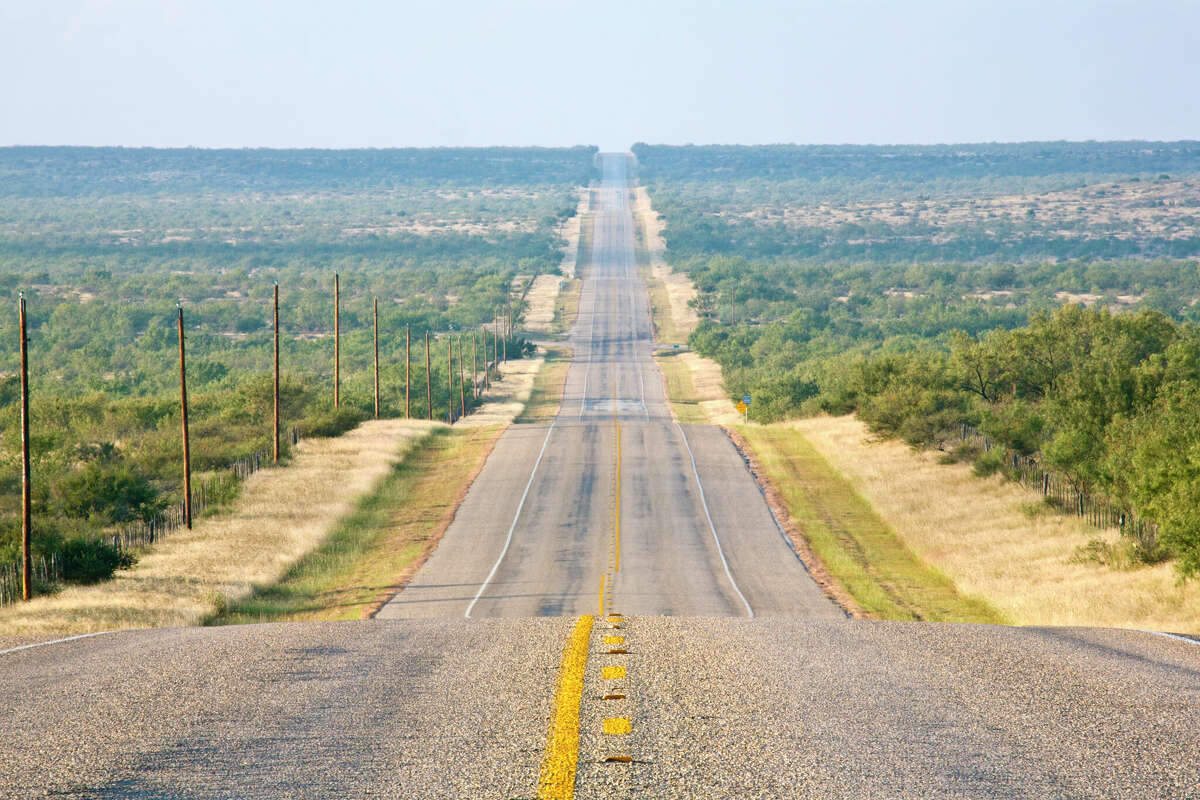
[141, 534]
[1098, 510]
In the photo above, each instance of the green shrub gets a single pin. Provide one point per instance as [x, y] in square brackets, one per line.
[86, 560]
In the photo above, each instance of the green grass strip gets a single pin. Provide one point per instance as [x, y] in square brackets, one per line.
[375, 543]
[858, 548]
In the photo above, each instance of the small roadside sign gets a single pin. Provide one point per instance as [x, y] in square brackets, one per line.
[741, 407]
[746, 399]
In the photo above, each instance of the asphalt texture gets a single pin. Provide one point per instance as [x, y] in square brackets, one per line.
[694, 539]
[736, 677]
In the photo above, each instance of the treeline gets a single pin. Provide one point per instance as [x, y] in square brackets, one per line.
[694, 233]
[1109, 400]
[925, 168]
[75, 171]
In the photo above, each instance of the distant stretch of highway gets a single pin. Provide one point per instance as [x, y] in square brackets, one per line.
[613, 613]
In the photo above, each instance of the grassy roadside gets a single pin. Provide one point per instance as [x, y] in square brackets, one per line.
[566, 307]
[382, 542]
[861, 552]
[547, 392]
[681, 389]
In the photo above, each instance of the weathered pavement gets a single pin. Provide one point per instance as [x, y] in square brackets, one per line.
[797, 701]
[720, 708]
[643, 542]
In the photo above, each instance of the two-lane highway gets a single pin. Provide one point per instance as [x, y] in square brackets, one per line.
[724, 672]
[614, 505]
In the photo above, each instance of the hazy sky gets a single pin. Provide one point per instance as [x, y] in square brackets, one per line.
[285, 73]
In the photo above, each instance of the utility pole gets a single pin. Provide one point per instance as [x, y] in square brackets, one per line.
[428, 380]
[407, 371]
[187, 447]
[733, 306]
[450, 374]
[337, 341]
[474, 364]
[375, 334]
[462, 386]
[26, 488]
[496, 343]
[275, 436]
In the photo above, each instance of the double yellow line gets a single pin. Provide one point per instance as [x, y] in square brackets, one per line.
[557, 778]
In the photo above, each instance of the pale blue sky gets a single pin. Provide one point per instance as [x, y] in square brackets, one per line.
[290, 73]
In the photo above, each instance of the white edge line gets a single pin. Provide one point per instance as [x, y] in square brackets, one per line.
[512, 527]
[587, 373]
[54, 641]
[711, 527]
[1174, 636]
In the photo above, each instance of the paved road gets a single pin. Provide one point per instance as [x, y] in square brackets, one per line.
[796, 702]
[668, 537]
[720, 708]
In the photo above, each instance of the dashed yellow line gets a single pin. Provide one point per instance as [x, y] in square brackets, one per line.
[617, 726]
[557, 779]
[612, 673]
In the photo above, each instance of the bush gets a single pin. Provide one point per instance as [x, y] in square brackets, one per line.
[92, 560]
[333, 422]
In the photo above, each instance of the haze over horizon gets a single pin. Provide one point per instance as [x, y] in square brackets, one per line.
[275, 74]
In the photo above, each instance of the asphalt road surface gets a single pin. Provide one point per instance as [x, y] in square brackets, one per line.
[729, 675]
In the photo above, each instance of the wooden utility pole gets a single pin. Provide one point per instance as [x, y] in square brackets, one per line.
[496, 343]
[733, 306]
[187, 445]
[428, 380]
[407, 371]
[462, 386]
[474, 364]
[275, 427]
[375, 334]
[26, 488]
[337, 341]
[450, 375]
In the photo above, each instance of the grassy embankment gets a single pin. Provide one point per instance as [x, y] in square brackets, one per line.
[997, 539]
[375, 549]
[278, 517]
[860, 550]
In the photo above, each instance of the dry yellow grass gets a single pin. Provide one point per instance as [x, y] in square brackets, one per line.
[280, 515]
[982, 535]
[506, 398]
[542, 302]
[545, 396]
[374, 551]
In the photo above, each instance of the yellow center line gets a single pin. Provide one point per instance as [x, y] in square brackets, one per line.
[557, 779]
[617, 519]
